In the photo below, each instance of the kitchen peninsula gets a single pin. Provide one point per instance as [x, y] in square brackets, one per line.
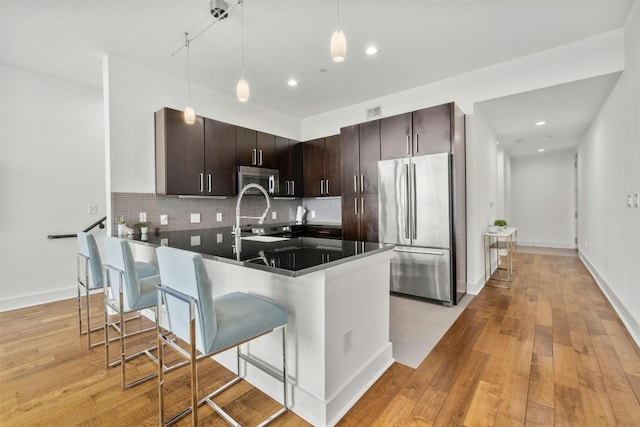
[337, 292]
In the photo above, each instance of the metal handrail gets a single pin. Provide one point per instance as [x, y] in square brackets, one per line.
[99, 223]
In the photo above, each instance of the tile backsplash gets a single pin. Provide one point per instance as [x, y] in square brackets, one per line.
[179, 210]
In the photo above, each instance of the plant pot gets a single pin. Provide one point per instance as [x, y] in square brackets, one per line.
[121, 228]
[144, 230]
[493, 228]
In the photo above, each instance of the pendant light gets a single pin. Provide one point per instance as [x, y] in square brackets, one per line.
[242, 90]
[338, 41]
[189, 113]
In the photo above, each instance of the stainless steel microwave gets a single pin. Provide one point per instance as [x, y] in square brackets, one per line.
[269, 179]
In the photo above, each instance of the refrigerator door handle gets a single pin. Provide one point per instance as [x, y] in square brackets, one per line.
[419, 251]
[415, 209]
[407, 205]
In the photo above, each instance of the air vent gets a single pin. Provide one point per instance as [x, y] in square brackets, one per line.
[373, 112]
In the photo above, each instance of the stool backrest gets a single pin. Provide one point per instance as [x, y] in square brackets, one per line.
[89, 248]
[184, 272]
[118, 254]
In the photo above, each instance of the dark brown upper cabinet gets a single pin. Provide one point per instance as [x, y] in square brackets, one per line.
[421, 132]
[288, 154]
[322, 167]
[432, 130]
[220, 158]
[179, 154]
[255, 148]
[194, 159]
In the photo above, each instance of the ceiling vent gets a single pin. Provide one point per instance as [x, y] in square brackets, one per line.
[373, 112]
[219, 9]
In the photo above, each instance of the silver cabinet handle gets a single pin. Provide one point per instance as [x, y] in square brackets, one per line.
[355, 205]
[361, 205]
[355, 183]
[293, 188]
[272, 184]
[209, 181]
[253, 157]
[201, 182]
[408, 144]
[362, 183]
[417, 143]
[260, 157]
[327, 185]
[288, 192]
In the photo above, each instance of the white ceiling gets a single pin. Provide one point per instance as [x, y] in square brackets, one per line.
[419, 42]
[567, 110]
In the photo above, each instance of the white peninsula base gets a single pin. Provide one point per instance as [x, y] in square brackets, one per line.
[337, 337]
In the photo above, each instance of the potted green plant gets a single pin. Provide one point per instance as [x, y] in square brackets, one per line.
[501, 223]
[143, 226]
[121, 226]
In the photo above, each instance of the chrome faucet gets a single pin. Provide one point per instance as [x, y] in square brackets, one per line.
[236, 228]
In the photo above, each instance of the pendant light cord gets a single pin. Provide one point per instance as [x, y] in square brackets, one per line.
[338, 12]
[242, 33]
[186, 45]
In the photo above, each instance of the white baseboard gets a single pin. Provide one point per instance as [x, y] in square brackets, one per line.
[36, 299]
[558, 245]
[633, 327]
[474, 288]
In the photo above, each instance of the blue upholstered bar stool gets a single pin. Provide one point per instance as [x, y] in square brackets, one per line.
[126, 292]
[210, 326]
[90, 277]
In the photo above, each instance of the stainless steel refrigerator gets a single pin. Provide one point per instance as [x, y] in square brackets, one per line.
[415, 213]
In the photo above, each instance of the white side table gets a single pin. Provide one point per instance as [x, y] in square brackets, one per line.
[505, 244]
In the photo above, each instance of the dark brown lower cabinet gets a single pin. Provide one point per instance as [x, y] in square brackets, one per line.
[360, 217]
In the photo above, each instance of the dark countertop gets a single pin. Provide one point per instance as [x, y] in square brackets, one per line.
[294, 256]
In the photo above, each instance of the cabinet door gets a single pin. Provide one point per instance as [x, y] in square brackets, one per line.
[313, 167]
[220, 158]
[369, 217]
[266, 150]
[369, 156]
[432, 130]
[360, 217]
[283, 162]
[395, 137]
[349, 159]
[350, 217]
[332, 166]
[183, 152]
[297, 169]
[247, 153]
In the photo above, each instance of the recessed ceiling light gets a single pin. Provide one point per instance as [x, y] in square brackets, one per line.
[371, 50]
[541, 123]
[292, 82]
[540, 150]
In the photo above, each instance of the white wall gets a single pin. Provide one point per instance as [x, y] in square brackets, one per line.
[52, 168]
[609, 170]
[543, 199]
[481, 194]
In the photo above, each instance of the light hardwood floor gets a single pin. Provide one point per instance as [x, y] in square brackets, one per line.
[548, 351]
